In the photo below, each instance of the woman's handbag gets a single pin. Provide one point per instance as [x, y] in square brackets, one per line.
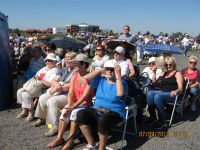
[33, 86]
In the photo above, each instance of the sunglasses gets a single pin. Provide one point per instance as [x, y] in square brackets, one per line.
[152, 63]
[110, 69]
[49, 60]
[168, 65]
[192, 62]
[98, 49]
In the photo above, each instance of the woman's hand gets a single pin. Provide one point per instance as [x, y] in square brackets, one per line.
[67, 110]
[117, 71]
[173, 93]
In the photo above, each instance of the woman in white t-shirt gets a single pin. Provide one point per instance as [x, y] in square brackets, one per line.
[45, 76]
[99, 59]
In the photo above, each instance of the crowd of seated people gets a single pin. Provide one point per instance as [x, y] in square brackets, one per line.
[67, 93]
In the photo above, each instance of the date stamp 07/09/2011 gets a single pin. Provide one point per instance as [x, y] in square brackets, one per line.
[178, 134]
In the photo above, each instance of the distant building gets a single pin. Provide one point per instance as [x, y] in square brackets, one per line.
[72, 28]
[59, 30]
[88, 28]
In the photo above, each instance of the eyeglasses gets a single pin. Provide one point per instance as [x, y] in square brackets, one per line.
[152, 63]
[168, 65]
[110, 69]
[192, 62]
[98, 49]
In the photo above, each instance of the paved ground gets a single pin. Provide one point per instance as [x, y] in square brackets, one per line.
[183, 135]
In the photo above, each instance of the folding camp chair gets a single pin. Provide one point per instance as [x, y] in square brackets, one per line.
[131, 111]
[180, 100]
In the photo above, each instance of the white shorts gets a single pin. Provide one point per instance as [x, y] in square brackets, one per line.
[71, 116]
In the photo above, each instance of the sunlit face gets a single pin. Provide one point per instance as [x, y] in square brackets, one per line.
[118, 56]
[192, 63]
[69, 63]
[50, 63]
[169, 66]
[110, 72]
[79, 66]
[152, 64]
[125, 30]
[99, 51]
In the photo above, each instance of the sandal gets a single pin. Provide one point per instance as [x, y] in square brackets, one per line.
[29, 118]
[39, 122]
[22, 114]
[90, 147]
[68, 147]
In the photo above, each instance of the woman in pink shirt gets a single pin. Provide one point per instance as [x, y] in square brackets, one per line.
[193, 74]
[77, 100]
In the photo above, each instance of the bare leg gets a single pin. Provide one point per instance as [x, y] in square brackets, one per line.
[102, 141]
[87, 132]
[59, 139]
[72, 131]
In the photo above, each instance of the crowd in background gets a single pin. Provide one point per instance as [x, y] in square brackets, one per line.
[68, 81]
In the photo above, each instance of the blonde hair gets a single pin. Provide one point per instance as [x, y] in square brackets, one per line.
[193, 57]
[70, 54]
[171, 60]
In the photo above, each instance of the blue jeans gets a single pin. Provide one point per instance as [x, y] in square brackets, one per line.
[194, 92]
[158, 99]
[185, 48]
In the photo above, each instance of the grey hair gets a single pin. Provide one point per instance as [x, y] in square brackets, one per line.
[193, 57]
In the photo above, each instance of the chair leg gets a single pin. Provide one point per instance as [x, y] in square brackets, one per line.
[134, 119]
[172, 115]
[124, 132]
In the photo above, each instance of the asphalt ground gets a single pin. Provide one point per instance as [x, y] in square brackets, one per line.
[184, 134]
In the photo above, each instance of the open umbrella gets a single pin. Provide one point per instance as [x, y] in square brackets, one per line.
[162, 48]
[65, 42]
[112, 44]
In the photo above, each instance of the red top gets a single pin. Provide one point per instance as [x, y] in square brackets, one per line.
[194, 76]
[79, 89]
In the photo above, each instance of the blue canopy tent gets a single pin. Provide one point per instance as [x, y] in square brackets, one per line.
[162, 48]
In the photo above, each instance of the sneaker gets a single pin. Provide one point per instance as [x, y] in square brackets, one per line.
[193, 106]
[52, 132]
[39, 122]
[91, 147]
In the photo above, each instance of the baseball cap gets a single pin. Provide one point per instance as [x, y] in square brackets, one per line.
[152, 59]
[82, 57]
[51, 56]
[120, 49]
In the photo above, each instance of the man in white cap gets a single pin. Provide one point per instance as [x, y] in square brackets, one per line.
[185, 43]
[152, 69]
[119, 59]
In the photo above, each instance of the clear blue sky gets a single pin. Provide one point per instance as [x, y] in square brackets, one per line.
[142, 15]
